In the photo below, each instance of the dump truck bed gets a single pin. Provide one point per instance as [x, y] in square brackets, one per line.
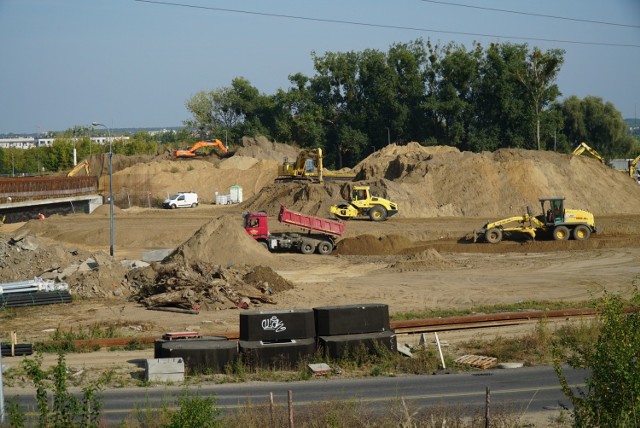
[317, 224]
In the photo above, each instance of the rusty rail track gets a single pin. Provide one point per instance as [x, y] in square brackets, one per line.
[426, 325]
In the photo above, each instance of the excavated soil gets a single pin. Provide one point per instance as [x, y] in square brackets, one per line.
[422, 258]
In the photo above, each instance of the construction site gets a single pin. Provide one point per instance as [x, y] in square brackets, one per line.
[421, 257]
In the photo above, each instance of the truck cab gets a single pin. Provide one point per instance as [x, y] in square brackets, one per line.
[181, 200]
[257, 225]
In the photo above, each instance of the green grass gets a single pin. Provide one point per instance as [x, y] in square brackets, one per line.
[541, 305]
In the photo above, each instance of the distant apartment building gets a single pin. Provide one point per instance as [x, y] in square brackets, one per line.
[29, 142]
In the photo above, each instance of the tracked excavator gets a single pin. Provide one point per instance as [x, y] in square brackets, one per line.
[555, 220]
[194, 150]
[308, 166]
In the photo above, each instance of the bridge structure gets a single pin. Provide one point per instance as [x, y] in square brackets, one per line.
[25, 198]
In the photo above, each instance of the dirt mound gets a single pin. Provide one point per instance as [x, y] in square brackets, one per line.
[202, 285]
[262, 148]
[222, 241]
[442, 181]
[305, 197]
[369, 245]
[160, 178]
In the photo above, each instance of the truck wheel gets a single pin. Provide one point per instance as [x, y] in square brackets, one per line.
[264, 245]
[378, 213]
[324, 248]
[561, 233]
[581, 233]
[493, 235]
[193, 205]
[307, 247]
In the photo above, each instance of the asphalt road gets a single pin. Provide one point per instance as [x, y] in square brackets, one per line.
[524, 390]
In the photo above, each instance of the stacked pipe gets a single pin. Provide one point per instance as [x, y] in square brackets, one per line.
[33, 293]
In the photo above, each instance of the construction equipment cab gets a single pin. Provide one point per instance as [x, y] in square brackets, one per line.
[195, 150]
[181, 200]
[364, 205]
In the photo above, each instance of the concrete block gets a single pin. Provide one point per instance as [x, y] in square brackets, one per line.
[164, 370]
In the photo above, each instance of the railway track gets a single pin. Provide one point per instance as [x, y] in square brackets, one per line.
[417, 326]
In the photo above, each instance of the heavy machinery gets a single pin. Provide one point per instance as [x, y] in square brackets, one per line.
[582, 147]
[632, 167]
[322, 241]
[308, 166]
[555, 220]
[193, 151]
[82, 166]
[364, 205]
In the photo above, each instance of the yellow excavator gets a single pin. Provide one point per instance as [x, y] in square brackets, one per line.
[308, 166]
[632, 167]
[82, 166]
[193, 151]
[584, 147]
[561, 223]
[364, 205]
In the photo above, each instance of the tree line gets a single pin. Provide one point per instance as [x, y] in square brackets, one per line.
[477, 99]
[501, 96]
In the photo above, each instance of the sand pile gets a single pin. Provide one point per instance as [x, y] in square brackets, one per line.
[442, 181]
[222, 241]
[262, 148]
[369, 245]
[300, 196]
[253, 165]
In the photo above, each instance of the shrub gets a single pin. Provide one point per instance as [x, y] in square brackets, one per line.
[612, 396]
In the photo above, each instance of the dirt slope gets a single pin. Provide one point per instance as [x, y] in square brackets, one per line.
[442, 181]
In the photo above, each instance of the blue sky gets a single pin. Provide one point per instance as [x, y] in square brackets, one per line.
[127, 63]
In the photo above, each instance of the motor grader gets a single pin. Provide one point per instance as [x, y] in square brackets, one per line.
[364, 205]
[555, 220]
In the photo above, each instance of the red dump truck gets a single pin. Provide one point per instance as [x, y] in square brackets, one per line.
[320, 237]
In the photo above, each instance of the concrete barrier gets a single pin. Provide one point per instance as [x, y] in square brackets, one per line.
[165, 370]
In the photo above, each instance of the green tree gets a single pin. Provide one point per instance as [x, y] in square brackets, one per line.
[537, 76]
[502, 117]
[612, 396]
[213, 112]
[597, 123]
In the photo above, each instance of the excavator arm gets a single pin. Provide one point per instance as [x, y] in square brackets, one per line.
[84, 165]
[193, 150]
[582, 147]
[632, 166]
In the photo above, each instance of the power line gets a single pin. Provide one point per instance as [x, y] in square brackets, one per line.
[393, 27]
[540, 15]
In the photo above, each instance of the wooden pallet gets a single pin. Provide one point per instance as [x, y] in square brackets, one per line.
[478, 361]
[181, 335]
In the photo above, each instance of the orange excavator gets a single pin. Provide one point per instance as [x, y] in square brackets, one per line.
[192, 151]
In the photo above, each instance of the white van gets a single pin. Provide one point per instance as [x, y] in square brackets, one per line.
[181, 200]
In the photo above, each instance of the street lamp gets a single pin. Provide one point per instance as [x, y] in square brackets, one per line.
[94, 124]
